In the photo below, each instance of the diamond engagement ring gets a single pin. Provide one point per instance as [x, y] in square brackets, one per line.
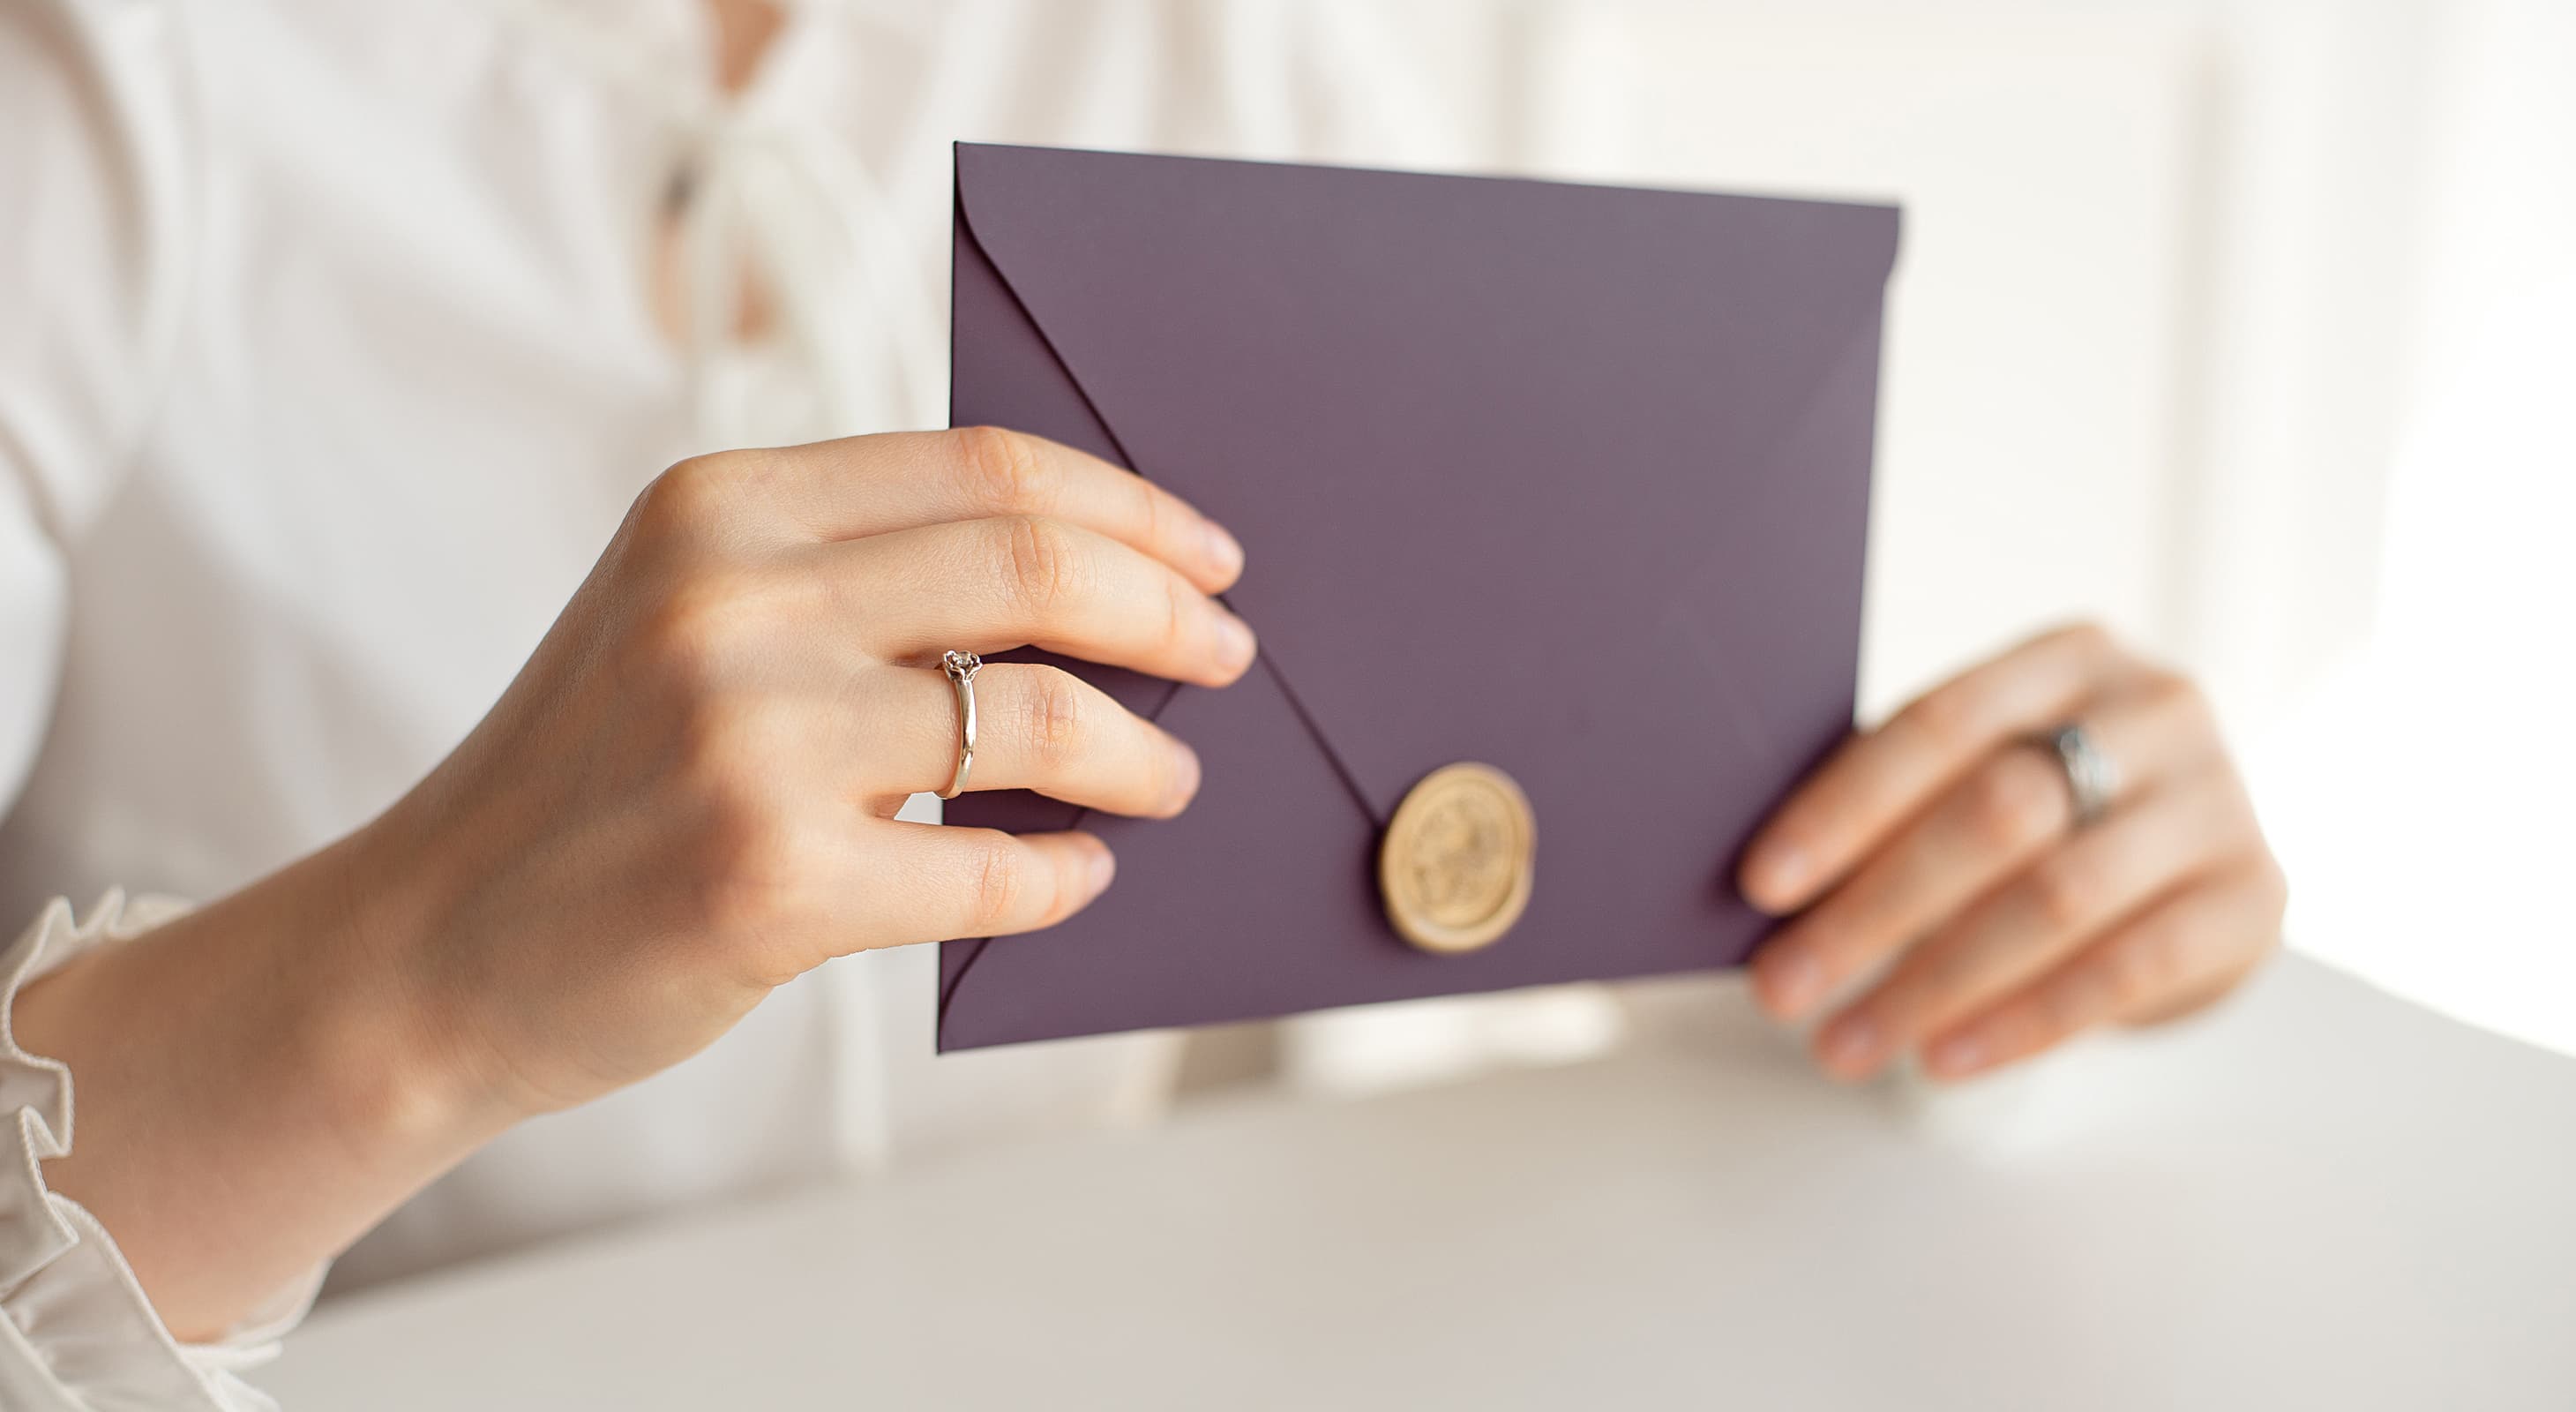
[2092, 777]
[960, 669]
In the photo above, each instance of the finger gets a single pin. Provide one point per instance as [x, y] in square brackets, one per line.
[1037, 728]
[1877, 780]
[1987, 825]
[988, 585]
[943, 882]
[1990, 824]
[2193, 944]
[869, 485]
[2042, 915]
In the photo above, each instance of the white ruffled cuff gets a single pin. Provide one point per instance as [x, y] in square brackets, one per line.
[77, 1333]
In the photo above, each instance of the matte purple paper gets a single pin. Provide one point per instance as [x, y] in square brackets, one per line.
[1572, 480]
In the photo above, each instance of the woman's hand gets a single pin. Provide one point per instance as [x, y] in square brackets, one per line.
[687, 797]
[1940, 851]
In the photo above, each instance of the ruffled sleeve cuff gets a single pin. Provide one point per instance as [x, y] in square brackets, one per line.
[76, 1331]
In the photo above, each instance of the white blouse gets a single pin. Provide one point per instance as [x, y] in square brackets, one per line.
[327, 368]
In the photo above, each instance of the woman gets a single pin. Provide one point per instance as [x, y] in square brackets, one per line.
[349, 338]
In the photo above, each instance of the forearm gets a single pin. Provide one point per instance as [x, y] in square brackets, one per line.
[256, 1083]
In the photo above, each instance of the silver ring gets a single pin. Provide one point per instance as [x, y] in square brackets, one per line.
[2092, 777]
[960, 669]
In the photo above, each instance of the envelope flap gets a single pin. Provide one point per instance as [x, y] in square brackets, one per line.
[1478, 434]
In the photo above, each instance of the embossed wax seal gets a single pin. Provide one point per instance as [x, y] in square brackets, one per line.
[1455, 866]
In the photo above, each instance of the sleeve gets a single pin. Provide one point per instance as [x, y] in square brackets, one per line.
[78, 1333]
[94, 165]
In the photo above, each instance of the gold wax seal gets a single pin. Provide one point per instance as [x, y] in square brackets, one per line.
[1455, 866]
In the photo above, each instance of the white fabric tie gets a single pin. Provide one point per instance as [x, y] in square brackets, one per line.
[795, 208]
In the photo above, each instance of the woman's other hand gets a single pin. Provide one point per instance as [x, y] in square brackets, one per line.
[688, 796]
[1936, 864]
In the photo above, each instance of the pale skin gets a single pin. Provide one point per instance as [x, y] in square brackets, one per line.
[1934, 861]
[686, 799]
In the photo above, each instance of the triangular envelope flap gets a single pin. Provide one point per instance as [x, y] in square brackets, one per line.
[1479, 431]
[1004, 374]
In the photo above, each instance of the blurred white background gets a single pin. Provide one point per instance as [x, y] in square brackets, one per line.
[2246, 325]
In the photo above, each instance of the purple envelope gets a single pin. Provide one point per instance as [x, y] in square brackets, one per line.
[1570, 480]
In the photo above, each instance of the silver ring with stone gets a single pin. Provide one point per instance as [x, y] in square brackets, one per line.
[2092, 777]
[960, 669]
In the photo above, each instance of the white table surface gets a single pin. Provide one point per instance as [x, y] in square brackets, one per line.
[2320, 1197]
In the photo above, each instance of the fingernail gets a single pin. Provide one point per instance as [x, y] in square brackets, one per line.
[1956, 1055]
[1104, 866]
[1185, 776]
[1778, 877]
[1223, 550]
[1850, 1048]
[1234, 640]
[1790, 979]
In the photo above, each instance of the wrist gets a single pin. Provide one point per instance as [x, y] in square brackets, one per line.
[382, 1008]
[256, 1084]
